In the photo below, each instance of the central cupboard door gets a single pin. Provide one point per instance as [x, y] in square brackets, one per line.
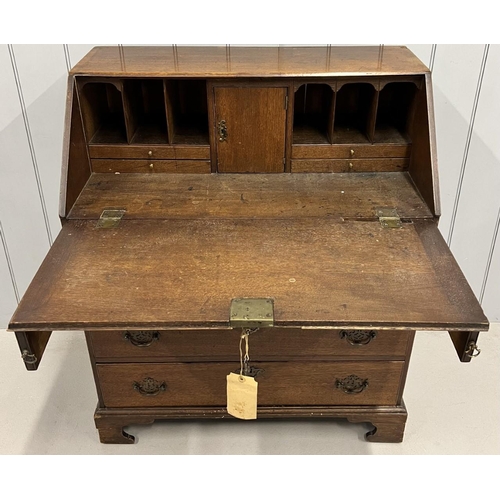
[250, 128]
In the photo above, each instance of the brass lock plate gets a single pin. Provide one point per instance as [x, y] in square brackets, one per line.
[251, 313]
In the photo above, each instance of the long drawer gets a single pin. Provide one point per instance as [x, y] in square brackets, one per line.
[280, 383]
[151, 166]
[265, 344]
[150, 152]
[351, 165]
[352, 151]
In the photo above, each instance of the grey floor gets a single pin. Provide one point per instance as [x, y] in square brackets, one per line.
[454, 408]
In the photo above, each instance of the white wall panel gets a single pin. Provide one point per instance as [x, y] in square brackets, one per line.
[77, 51]
[20, 208]
[43, 77]
[455, 77]
[423, 52]
[8, 300]
[491, 300]
[480, 199]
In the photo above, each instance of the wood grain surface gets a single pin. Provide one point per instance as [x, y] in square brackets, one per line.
[336, 195]
[280, 383]
[152, 151]
[351, 165]
[184, 273]
[255, 120]
[229, 61]
[266, 344]
[151, 166]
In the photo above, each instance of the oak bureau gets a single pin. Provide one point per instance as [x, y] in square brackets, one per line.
[286, 193]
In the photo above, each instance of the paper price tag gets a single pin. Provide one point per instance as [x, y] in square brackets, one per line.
[242, 396]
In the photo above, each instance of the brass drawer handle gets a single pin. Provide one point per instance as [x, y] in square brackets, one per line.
[358, 337]
[149, 387]
[351, 384]
[29, 358]
[252, 371]
[473, 350]
[222, 127]
[141, 338]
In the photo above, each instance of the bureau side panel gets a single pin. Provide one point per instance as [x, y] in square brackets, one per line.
[76, 162]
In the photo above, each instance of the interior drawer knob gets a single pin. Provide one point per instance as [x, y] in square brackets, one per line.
[149, 386]
[142, 338]
[358, 337]
[351, 384]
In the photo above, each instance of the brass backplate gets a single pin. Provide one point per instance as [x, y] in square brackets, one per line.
[251, 313]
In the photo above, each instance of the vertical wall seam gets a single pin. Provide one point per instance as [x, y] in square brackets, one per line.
[433, 56]
[467, 144]
[490, 258]
[9, 263]
[67, 56]
[30, 143]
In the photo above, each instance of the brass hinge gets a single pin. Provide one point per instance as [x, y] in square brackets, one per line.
[251, 313]
[110, 218]
[388, 218]
[286, 102]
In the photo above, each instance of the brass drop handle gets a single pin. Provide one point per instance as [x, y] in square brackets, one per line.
[351, 384]
[149, 387]
[28, 357]
[222, 128]
[473, 350]
[141, 338]
[358, 337]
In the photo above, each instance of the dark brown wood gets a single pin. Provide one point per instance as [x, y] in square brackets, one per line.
[454, 284]
[348, 151]
[151, 166]
[423, 159]
[462, 342]
[76, 163]
[187, 111]
[390, 419]
[389, 428]
[351, 165]
[409, 347]
[255, 119]
[32, 346]
[90, 346]
[218, 61]
[151, 151]
[266, 345]
[360, 274]
[204, 384]
[110, 427]
[280, 196]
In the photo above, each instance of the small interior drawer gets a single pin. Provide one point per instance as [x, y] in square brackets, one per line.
[286, 383]
[152, 166]
[265, 344]
[351, 151]
[351, 165]
[145, 152]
